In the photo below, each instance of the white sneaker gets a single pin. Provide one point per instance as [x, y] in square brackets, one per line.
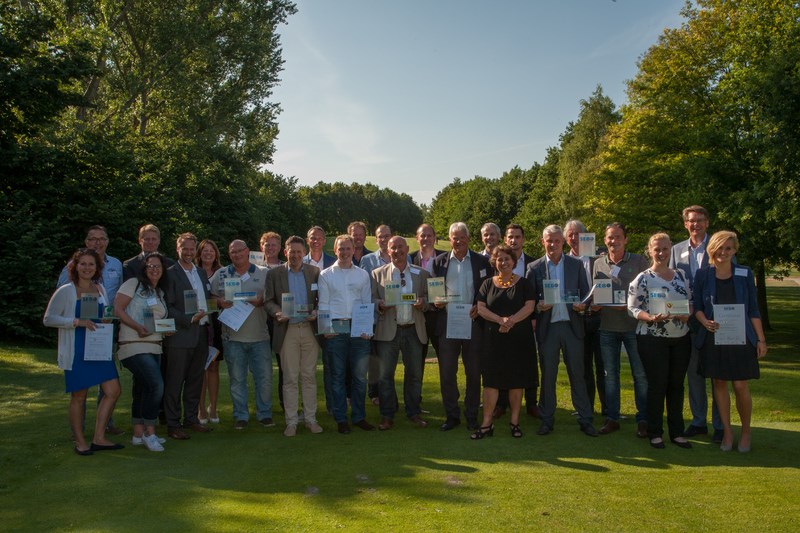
[138, 441]
[152, 443]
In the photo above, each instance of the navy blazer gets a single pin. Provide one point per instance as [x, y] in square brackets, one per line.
[187, 334]
[574, 280]
[478, 262]
[704, 296]
[327, 260]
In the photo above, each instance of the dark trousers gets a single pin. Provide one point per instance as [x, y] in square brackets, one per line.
[448, 374]
[665, 360]
[430, 329]
[593, 371]
[184, 381]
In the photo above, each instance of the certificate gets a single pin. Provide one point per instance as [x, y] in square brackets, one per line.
[436, 290]
[552, 291]
[620, 297]
[678, 306]
[90, 306]
[98, 345]
[165, 325]
[603, 292]
[363, 319]
[658, 302]
[459, 323]
[212, 354]
[324, 323]
[232, 286]
[287, 304]
[257, 258]
[572, 296]
[730, 318]
[586, 244]
[391, 293]
[149, 320]
[234, 317]
[190, 302]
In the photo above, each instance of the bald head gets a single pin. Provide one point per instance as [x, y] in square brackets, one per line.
[398, 251]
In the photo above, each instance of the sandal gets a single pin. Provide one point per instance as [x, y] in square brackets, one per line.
[487, 431]
[516, 432]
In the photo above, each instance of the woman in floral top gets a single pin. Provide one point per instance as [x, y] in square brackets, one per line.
[658, 298]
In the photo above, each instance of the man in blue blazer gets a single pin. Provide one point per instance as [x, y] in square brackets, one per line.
[315, 237]
[690, 256]
[464, 272]
[559, 329]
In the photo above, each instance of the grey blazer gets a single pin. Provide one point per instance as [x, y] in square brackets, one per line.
[679, 258]
[386, 328]
[574, 279]
[277, 284]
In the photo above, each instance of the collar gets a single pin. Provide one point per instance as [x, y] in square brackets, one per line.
[453, 256]
[232, 269]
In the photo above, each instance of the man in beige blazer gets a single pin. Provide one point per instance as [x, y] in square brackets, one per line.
[400, 328]
[294, 336]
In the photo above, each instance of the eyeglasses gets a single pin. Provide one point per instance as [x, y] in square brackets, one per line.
[96, 239]
[154, 267]
[402, 279]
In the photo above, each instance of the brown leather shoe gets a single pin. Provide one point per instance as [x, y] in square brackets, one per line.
[609, 427]
[641, 430]
[363, 424]
[418, 421]
[386, 423]
[177, 434]
[198, 428]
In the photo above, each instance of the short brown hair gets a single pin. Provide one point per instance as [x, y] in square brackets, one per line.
[695, 209]
[502, 247]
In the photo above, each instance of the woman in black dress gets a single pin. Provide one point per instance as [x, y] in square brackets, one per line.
[506, 302]
[726, 283]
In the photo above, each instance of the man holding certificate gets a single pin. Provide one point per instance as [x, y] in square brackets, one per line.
[731, 340]
[459, 332]
[239, 288]
[560, 283]
[188, 291]
[295, 332]
[343, 288]
[399, 290]
[615, 271]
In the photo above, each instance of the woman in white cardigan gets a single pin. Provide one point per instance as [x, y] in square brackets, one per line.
[64, 312]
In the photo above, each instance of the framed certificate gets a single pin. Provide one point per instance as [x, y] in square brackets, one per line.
[165, 325]
[391, 293]
[587, 244]
[287, 304]
[603, 292]
[232, 286]
[436, 290]
[552, 291]
[90, 306]
[658, 302]
[190, 302]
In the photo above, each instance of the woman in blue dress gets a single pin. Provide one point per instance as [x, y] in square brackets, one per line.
[64, 312]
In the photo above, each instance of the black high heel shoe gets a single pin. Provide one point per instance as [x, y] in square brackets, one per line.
[516, 432]
[487, 431]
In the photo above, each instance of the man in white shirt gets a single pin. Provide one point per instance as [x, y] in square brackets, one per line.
[341, 287]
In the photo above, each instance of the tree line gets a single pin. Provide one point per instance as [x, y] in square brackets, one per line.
[123, 113]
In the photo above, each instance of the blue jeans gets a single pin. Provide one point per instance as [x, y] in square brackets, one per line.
[610, 345]
[343, 350]
[147, 389]
[258, 357]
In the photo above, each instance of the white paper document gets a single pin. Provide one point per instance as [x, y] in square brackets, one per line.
[459, 323]
[234, 317]
[98, 345]
[362, 319]
[730, 318]
[212, 354]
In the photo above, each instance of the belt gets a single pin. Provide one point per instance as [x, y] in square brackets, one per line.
[405, 326]
[304, 323]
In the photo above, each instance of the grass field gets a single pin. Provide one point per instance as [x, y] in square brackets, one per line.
[406, 479]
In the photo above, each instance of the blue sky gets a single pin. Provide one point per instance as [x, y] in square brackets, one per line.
[412, 94]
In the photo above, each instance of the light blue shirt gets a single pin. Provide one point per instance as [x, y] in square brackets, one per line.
[555, 271]
[696, 255]
[297, 286]
[459, 278]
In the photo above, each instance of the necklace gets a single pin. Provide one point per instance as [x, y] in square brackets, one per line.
[503, 282]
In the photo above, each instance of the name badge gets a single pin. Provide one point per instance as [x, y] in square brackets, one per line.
[414, 270]
[245, 277]
[615, 272]
[740, 272]
[208, 286]
[483, 273]
[314, 287]
[685, 254]
[152, 302]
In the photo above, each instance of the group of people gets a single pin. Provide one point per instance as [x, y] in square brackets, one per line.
[509, 317]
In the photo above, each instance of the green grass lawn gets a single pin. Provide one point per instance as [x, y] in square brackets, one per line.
[406, 479]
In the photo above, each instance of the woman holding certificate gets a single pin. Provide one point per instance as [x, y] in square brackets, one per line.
[508, 357]
[75, 309]
[731, 339]
[659, 299]
[208, 258]
[139, 302]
